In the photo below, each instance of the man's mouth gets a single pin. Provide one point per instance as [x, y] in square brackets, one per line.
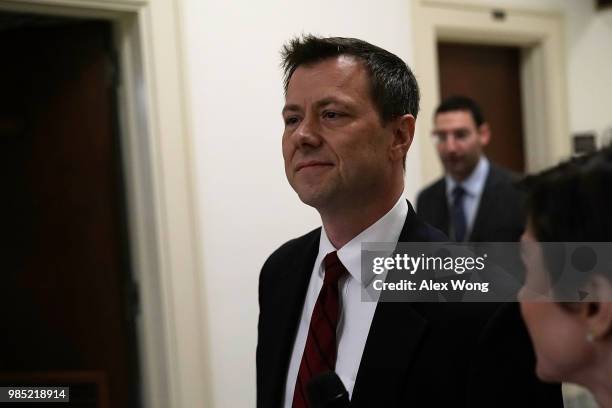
[312, 164]
[453, 160]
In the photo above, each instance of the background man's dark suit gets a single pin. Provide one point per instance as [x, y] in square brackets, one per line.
[499, 216]
[416, 354]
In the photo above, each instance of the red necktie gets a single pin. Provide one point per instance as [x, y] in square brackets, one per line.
[321, 350]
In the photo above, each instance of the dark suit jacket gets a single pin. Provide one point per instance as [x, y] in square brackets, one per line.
[416, 354]
[500, 215]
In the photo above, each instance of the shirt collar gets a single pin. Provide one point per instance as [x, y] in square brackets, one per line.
[386, 229]
[474, 184]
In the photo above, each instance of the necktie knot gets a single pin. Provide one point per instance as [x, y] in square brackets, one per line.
[334, 270]
[458, 193]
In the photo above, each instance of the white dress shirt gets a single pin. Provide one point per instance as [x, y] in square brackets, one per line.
[473, 186]
[355, 315]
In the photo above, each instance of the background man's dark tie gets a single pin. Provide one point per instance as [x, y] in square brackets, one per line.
[458, 214]
[321, 350]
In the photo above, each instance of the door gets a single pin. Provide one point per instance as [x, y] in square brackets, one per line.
[491, 76]
[66, 298]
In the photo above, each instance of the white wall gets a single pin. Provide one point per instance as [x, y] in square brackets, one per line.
[589, 66]
[247, 209]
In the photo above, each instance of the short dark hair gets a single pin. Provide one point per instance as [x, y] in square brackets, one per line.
[462, 103]
[571, 202]
[394, 88]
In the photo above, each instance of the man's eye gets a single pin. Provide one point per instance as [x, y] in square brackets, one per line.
[291, 120]
[331, 114]
[439, 135]
[462, 134]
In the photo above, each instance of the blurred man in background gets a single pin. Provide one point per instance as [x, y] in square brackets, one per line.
[475, 200]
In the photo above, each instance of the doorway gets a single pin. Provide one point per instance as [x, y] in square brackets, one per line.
[491, 76]
[160, 187]
[68, 295]
[539, 37]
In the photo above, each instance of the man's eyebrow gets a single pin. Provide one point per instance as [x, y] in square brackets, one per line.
[290, 108]
[452, 130]
[319, 104]
[329, 101]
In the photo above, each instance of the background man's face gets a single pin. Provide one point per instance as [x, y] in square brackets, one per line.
[335, 149]
[459, 142]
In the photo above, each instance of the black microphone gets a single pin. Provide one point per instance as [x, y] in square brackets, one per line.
[327, 391]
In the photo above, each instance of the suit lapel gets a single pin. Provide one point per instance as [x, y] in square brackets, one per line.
[396, 328]
[441, 210]
[289, 299]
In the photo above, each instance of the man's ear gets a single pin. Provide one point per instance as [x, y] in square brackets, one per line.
[403, 134]
[598, 313]
[484, 133]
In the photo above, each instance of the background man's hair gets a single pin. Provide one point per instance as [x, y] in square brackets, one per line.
[462, 103]
[394, 88]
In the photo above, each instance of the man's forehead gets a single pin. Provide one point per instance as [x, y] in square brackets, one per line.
[341, 61]
[334, 80]
[455, 119]
[338, 71]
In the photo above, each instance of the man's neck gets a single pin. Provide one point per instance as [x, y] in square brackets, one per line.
[342, 225]
[460, 178]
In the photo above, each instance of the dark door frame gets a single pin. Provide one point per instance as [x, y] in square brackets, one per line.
[160, 188]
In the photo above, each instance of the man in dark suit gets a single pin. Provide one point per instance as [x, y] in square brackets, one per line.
[349, 117]
[476, 200]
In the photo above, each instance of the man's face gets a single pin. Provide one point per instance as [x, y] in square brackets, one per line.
[459, 142]
[336, 151]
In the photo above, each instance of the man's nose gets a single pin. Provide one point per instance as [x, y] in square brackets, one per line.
[451, 143]
[308, 133]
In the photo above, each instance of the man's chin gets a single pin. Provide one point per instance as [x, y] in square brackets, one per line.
[313, 198]
[456, 170]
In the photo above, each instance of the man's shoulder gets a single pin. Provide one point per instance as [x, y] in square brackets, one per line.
[429, 199]
[503, 175]
[434, 188]
[297, 244]
[503, 183]
[416, 229]
[292, 250]
[424, 232]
